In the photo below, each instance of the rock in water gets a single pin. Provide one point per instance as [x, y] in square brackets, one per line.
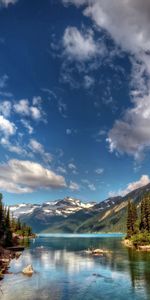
[28, 270]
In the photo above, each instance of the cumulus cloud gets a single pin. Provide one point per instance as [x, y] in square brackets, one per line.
[6, 127]
[144, 180]
[79, 45]
[74, 186]
[11, 147]
[19, 176]
[131, 134]
[5, 108]
[127, 24]
[38, 148]
[24, 108]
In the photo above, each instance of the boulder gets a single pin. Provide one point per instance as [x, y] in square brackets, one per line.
[28, 270]
[97, 252]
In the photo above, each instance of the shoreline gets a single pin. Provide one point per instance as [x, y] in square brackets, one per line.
[6, 256]
[128, 243]
[10, 253]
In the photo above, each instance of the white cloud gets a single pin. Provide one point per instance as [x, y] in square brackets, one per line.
[61, 170]
[90, 185]
[79, 45]
[144, 180]
[37, 100]
[24, 108]
[18, 176]
[12, 148]
[74, 186]
[127, 23]
[131, 134]
[72, 166]
[99, 171]
[6, 127]
[5, 108]
[38, 148]
[5, 3]
[35, 112]
[27, 125]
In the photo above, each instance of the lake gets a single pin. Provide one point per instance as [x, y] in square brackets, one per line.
[65, 272]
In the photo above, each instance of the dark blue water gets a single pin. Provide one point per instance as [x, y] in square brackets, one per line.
[65, 272]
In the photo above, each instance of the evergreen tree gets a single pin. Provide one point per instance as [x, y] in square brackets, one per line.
[8, 237]
[8, 226]
[134, 217]
[145, 213]
[2, 221]
[131, 219]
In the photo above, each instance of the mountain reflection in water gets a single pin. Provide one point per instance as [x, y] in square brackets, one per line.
[65, 272]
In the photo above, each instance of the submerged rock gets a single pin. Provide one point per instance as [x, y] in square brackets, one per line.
[28, 270]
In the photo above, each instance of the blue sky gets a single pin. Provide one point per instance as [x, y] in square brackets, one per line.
[74, 98]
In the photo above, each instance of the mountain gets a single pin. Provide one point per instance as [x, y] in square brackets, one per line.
[41, 216]
[72, 215]
[113, 218]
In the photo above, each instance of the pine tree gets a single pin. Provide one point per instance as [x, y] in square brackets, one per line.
[143, 219]
[145, 213]
[134, 217]
[2, 221]
[8, 238]
[131, 219]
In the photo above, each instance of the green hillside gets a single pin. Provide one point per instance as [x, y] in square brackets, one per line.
[111, 219]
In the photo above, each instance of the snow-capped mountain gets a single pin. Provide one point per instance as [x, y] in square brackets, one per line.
[73, 215]
[60, 215]
[62, 207]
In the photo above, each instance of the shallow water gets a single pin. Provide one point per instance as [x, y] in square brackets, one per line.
[65, 272]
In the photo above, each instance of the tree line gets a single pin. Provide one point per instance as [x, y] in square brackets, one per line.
[9, 227]
[139, 224]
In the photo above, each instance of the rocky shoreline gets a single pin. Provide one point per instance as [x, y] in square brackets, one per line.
[14, 252]
[5, 257]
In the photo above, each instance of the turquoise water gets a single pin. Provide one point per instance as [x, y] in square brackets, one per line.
[65, 272]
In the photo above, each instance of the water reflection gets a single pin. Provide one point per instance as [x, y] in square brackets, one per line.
[139, 266]
[64, 271]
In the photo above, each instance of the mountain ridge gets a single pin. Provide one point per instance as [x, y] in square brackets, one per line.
[73, 215]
